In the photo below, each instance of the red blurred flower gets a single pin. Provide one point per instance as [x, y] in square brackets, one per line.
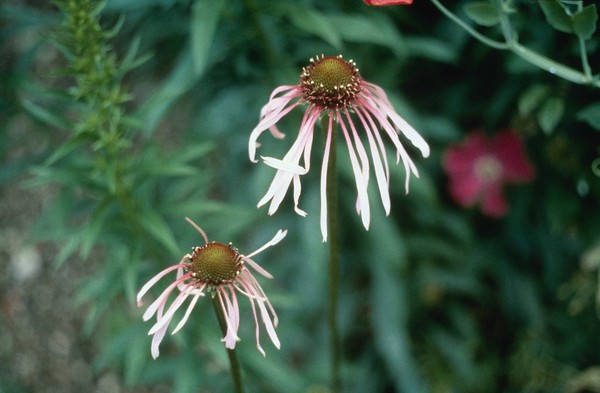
[481, 166]
[387, 2]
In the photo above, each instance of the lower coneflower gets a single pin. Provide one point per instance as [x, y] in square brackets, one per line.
[333, 87]
[221, 271]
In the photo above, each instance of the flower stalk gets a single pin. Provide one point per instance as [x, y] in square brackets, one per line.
[334, 268]
[234, 365]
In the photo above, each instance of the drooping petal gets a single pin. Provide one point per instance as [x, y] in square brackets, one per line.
[282, 179]
[382, 102]
[172, 309]
[156, 278]
[381, 174]
[361, 184]
[324, 168]
[160, 302]
[188, 311]
[271, 113]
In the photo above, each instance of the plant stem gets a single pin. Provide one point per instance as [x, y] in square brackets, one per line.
[334, 246]
[474, 33]
[532, 57]
[233, 361]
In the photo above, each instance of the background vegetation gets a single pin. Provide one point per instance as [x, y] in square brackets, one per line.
[125, 116]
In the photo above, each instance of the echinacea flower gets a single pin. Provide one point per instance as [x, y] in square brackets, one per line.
[388, 2]
[219, 270]
[333, 87]
[480, 167]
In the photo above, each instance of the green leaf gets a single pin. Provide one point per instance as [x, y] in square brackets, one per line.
[556, 15]
[584, 22]
[483, 13]
[532, 98]
[45, 116]
[550, 114]
[431, 49]
[205, 17]
[591, 115]
[312, 21]
[156, 226]
[91, 231]
[372, 29]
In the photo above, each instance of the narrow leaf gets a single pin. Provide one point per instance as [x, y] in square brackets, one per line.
[483, 13]
[156, 226]
[205, 17]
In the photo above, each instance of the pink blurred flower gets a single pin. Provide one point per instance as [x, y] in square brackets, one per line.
[219, 270]
[481, 166]
[332, 86]
[388, 2]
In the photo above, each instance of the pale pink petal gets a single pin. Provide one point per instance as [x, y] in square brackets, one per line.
[198, 229]
[381, 99]
[279, 236]
[361, 185]
[380, 171]
[156, 278]
[188, 311]
[324, 168]
[172, 309]
[162, 298]
[266, 123]
[297, 193]
[158, 336]
[284, 165]
[282, 179]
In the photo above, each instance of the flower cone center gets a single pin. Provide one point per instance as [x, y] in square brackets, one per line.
[215, 263]
[330, 82]
[488, 169]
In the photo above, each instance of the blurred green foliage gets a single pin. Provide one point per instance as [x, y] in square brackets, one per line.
[143, 110]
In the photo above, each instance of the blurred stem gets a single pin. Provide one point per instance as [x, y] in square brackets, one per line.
[233, 361]
[334, 247]
[525, 53]
[474, 33]
[587, 70]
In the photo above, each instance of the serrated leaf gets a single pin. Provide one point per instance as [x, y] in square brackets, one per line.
[584, 22]
[550, 114]
[556, 15]
[205, 17]
[591, 115]
[483, 13]
[532, 98]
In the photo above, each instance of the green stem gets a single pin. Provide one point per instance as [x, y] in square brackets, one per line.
[585, 64]
[233, 361]
[532, 57]
[474, 33]
[334, 246]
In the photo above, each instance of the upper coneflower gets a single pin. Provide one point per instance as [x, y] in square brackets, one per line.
[333, 86]
[219, 270]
